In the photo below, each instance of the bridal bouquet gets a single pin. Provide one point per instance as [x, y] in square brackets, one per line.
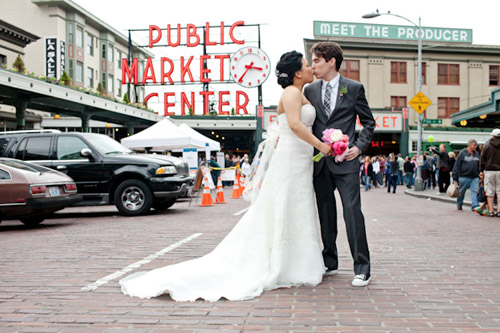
[338, 141]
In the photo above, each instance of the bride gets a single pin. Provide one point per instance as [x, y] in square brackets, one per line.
[277, 242]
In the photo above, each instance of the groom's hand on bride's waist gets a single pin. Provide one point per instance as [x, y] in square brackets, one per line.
[352, 153]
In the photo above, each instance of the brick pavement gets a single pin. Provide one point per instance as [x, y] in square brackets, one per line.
[434, 269]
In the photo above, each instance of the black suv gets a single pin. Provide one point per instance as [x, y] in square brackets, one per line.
[104, 171]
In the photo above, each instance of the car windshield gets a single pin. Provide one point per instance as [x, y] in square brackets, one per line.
[105, 145]
[31, 167]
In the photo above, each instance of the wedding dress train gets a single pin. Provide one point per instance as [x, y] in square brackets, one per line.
[275, 244]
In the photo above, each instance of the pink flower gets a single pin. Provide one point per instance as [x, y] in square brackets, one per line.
[339, 147]
[345, 138]
[326, 135]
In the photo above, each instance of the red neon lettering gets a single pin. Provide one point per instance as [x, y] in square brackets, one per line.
[191, 32]
[169, 73]
[272, 118]
[222, 57]
[205, 100]
[207, 35]
[241, 106]
[203, 70]
[185, 69]
[130, 72]
[394, 121]
[146, 99]
[155, 40]
[376, 121]
[184, 102]
[222, 33]
[169, 36]
[358, 122]
[231, 35]
[149, 66]
[166, 104]
[222, 103]
[384, 123]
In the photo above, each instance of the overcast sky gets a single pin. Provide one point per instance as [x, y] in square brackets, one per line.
[286, 23]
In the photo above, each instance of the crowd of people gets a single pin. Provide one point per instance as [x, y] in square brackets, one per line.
[475, 168]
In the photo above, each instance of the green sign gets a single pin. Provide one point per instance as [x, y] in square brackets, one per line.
[432, 121]
[383, 31]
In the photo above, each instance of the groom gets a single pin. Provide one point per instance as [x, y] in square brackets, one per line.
[338, 102]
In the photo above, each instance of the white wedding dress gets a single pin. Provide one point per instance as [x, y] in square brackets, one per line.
[275, 244]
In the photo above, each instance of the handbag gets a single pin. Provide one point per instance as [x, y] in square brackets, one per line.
[452, 190]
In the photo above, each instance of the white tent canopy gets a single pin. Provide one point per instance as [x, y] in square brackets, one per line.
[212, 144]
[164, 135]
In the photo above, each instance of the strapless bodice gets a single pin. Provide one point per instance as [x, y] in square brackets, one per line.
[307, 116]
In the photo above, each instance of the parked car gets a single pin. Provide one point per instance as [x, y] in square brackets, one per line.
[30, 192]
[105, 172]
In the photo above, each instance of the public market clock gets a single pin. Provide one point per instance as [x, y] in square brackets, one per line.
[250, 67]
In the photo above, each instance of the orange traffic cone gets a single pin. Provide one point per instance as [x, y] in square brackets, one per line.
[242, 184]
[236, 188]
[220, 193]
[207, 197]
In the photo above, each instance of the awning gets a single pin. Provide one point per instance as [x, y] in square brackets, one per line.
[484, 115]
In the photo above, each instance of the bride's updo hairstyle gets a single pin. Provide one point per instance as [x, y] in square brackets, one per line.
[289, 64]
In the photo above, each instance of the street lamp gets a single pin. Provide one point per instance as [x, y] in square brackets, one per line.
[418, 180]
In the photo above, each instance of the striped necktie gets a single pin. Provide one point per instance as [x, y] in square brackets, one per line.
[328, 99]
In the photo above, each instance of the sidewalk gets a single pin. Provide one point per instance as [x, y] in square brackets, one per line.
[433, 194]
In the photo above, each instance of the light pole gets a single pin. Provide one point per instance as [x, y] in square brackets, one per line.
[418, 179]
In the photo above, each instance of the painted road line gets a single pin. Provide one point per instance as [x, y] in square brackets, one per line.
[240, 212]
[135, 265]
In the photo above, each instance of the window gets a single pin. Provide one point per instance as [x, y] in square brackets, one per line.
[71, 70]
[103, 81]
[110, 53]
[350, 69]
[34, 149]
[119, 59]
[111, 84]
[103, 55]
[4, 175]
[119, 88]
[69, 147]
[398, 102]
[71, 33]
[494, 75]
[398, 72]
[79, 71]
[90, 45]
[90, 77]
[79, 37]
[424, 73]
[3, 59]
[448, 74]
[448, 106]
[4, 142]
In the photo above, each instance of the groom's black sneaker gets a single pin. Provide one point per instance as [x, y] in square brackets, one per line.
[330, 272]
[361, 280]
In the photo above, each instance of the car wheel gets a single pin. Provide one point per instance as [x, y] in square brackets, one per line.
[163, 204]
[133, 197]
[32, 221]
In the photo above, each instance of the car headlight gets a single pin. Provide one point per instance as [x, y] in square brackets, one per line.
[166, 170]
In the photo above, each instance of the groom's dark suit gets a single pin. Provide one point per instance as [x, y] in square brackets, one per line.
[344, 176]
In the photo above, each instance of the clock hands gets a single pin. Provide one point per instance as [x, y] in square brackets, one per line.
[252, 67]
[247, 67]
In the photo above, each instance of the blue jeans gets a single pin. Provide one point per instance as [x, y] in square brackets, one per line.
[367, 182]
[392, 181]
[472, 184]
[409, 179]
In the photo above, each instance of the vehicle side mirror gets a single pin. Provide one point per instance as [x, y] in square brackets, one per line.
[85, 152]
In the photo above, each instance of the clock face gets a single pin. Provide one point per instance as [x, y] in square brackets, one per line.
[250, 67]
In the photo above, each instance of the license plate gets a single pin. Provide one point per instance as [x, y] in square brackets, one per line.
[54, 191]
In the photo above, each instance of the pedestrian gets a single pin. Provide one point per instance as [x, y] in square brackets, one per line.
[443, 166]
[408, 172]
[490, 168]
[367, 172]
[431, 170]
[245, 167]
[382, 170]
[376, 172]
[215, 169]
[393, 176]
[401, 163]
[466, 173]
[227, 165]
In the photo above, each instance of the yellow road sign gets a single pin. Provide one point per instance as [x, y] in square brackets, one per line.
[419, 102]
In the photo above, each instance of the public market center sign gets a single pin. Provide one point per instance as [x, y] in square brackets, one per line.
[384, 31]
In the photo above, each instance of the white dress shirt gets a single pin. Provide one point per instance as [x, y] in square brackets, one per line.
[335, 88]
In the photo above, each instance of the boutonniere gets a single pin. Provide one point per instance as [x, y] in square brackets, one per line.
[343, 91]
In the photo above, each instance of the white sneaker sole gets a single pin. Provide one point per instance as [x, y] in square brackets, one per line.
[330, 273]
[360, 283]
